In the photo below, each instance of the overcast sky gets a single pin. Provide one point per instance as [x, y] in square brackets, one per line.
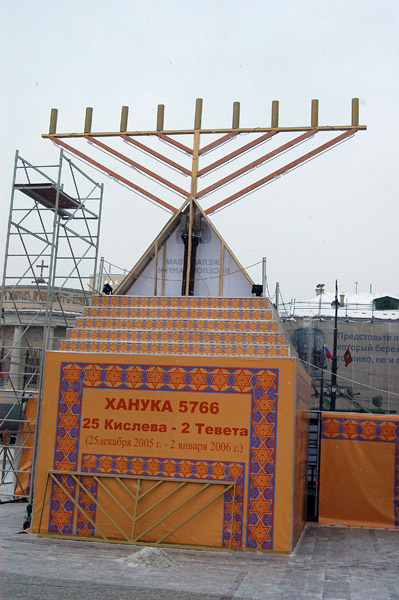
[335, 217]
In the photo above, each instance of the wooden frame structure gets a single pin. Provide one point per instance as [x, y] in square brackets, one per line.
[62, 480]
[196, 151]
[159, 245]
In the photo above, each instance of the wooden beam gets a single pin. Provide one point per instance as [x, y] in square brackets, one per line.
[221, 131]
[268, 178]
[275, 109]
[255, 163]
[236, 153]
[115, 175]
[137, 166]
[221, 269]
[156, 155]
[53, 121]
[198, 114]
[315, 113]
[236, 115]
[160, 117]
[88, 119]
[355, 112]
[156, 269]
[124, 117]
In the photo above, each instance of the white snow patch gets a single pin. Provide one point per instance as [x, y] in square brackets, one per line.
[153, 558]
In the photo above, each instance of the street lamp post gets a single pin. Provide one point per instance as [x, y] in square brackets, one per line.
[321, 391]
[334, 304]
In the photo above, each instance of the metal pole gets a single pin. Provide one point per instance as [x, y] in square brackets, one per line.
[2, 296]
[99, 287]
[321, 391]
[277, 296]
[264, 276]
[97, 284]
[334, 361]
[9, 228]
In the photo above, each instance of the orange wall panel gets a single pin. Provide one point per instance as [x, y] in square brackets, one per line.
[220, 419]
[359, 470]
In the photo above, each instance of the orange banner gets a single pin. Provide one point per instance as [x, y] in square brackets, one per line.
[229, 420]
[359, 470]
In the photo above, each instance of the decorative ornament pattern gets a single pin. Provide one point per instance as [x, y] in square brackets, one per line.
[261, 384]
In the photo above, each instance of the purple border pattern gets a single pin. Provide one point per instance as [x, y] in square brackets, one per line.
[261, 384]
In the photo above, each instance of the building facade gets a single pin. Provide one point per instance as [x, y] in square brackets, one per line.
[368, 332]
[22, 332]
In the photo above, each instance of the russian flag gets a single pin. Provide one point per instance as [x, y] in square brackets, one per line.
[328, 353]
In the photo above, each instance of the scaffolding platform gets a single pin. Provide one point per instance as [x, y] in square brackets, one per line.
[46, 195]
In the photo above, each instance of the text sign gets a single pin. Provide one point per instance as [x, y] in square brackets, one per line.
[163, 423]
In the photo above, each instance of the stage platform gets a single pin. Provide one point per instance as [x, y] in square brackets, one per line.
[175, 420]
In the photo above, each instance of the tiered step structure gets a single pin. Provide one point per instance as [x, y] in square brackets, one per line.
[183, 325]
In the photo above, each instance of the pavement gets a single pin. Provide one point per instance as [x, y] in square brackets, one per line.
[332, 563]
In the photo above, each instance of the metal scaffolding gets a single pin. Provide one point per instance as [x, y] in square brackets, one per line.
[50, 258]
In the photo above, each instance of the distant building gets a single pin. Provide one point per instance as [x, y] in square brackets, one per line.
[22, 328]
[368, 325]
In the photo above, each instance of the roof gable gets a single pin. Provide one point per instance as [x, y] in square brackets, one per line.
[160, 270]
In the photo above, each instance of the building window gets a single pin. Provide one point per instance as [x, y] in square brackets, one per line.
[32, 367]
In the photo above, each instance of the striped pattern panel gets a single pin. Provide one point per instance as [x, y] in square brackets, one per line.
[176, 349]
[180, 302]
[176, 324]
[131, 312]
[185, 326]
[193, 337]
